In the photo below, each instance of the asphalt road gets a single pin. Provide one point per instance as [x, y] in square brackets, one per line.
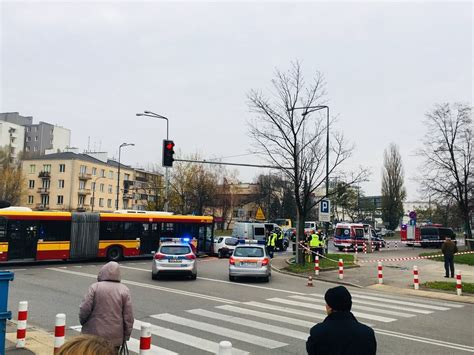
[191, 317]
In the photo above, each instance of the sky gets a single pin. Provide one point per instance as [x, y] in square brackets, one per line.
[91, 66]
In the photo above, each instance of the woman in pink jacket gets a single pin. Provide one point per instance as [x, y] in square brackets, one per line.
[106, 309]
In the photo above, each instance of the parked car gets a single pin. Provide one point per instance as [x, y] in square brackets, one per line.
[434, 236]
[224, 246]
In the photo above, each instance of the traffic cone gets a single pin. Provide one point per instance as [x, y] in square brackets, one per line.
[310, 281]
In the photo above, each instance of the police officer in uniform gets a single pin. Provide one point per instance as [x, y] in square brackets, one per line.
[314, 245]
[272, 238]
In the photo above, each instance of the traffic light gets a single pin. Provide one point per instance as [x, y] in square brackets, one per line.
[168, 153]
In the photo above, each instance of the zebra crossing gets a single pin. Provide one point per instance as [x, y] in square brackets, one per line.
[261, 327]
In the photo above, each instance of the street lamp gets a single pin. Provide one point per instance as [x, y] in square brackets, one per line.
[155, 115]
[308, 110]
[118, 174]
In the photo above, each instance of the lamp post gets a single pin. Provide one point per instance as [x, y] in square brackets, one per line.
[308, 110]
[161, 117]
[118, 173]
[93, 192]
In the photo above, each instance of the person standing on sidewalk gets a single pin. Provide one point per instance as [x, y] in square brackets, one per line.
[340, 332]
[106, 309]
[314, 245]
[272, 237]
[449, 249]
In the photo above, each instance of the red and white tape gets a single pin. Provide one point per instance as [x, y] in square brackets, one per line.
[412, 257]
[59, 331]
[21, 325]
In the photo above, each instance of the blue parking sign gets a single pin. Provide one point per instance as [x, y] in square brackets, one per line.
[324, 206]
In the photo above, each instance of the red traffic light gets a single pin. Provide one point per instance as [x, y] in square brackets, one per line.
[170, 145]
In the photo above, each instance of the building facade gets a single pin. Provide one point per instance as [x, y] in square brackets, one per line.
[12, 137]
[78, 182]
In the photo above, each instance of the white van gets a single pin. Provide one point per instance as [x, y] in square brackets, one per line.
[310, 226]
[249, 230]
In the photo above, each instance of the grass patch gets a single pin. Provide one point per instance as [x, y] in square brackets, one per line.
[467, 259]
[467, 287]
[323, 263]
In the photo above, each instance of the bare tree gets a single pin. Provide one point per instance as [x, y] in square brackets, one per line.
[12, 180]
[393, 191]
[448, 157]
[295, 140]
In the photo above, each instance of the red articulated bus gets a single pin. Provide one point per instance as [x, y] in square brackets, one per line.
[35, 236]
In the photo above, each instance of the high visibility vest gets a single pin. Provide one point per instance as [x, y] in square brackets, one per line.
[314, 242]
[271, 240]
[280, 235]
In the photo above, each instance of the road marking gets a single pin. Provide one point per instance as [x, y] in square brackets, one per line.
[288, 310]
[425, 340]
[13, 270]
[363, 308]
[228, 282]
[134, 345]
[187, 339]
[251, 324]
[273, 317]
[153, 287]
[382, 304]
[314, 306]
[390, 298]
[229, 333]
[438, 308]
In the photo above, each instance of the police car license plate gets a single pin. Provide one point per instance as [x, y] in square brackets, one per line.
[174, 260]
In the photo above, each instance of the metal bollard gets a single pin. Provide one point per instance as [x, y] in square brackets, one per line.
[21, 325]
[225, 348]
[416, 282]
[341, 269]
[59, 331]
[145, 339]
[380, 275]
[458, 283]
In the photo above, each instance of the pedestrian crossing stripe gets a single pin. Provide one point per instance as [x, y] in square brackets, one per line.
[422, 305]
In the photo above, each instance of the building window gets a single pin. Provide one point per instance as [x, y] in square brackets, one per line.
[35, 149]
[126, 176]
[31, 184]
[31, 199]
[94, 171]
[101, 187]
[28, 139]
[32, 169]
[101, 202]
[81, 200]
[82, 184]
[46, 184]
[110, 189]
[27, 148]
[83, 169]
[92, 201]
[109, 203]
[47, 168]
[60, 199]
[28, 129]
[62, 168]
[60, 184]
[45, 200]
[111, 174]
[36, 138]
[102, 172]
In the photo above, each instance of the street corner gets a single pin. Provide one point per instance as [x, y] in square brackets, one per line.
[38, 341]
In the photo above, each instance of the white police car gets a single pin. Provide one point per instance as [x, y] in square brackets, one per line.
[174, 257]
[250, 259]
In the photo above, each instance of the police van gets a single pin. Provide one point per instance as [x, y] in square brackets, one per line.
[249, 230]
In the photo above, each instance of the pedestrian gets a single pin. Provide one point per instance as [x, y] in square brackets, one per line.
[449, 249]
[340, 332]
[106, 309]
[314, 245]
[87, 345]
[272, 237]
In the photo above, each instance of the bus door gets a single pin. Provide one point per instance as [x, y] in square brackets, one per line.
[149, 239]
[22, 239]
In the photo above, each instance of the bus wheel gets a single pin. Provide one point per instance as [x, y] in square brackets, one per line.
[114, 253]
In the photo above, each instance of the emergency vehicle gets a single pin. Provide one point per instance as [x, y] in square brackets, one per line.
[350, 235]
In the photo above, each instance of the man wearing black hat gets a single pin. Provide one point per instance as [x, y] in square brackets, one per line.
[340, 332]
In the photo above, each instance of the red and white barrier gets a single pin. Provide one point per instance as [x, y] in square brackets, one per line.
[145, 339]
[341, 269]
[225, 348]
[364, 248]
[416, 281]
[458, 283]
[412, 257]
[316, 265]
[59, 331]
[21, 325]
[310, 281]
[380, 275]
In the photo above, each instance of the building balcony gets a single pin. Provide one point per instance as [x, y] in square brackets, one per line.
[84, 191]
[42, 207]
[85, 176]
[127, 196]
[82, 208]
[44, 175]
[43, 190]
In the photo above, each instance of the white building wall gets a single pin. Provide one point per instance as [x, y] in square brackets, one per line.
[61, 138]
[18, 137]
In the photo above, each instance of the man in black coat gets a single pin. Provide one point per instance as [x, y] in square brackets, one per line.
[340, 333]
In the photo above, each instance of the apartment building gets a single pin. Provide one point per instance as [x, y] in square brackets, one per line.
[79, 182]
[12, 137]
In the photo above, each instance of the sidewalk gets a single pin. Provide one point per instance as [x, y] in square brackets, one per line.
[397, 275]
[37, 341]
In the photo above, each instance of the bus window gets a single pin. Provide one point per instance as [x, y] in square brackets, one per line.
[3, 229]
[51, 230]
[133, 230]
[111, 230]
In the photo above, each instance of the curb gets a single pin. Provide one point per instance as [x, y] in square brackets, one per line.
[315, 278]
[423, 293]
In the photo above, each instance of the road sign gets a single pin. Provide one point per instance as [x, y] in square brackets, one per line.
[325, 210]
[260, 214]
